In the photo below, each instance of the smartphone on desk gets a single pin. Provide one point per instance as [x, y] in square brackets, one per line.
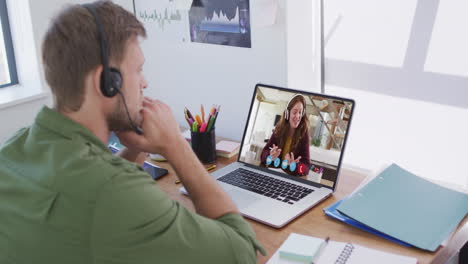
[153, 170]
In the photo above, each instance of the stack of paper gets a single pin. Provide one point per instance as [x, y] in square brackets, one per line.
[300, 248]
[407, 207]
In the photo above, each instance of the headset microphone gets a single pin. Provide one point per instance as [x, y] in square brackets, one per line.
[136, 128]
[111, 78]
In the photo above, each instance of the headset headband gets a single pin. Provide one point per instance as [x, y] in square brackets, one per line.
[102, 42]
[296, 95]
[286, 111]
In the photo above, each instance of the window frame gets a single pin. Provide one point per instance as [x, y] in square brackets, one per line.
[9, 49]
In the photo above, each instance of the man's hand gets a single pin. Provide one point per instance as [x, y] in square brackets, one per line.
[162, 136]
[130, 152]
[161, 129]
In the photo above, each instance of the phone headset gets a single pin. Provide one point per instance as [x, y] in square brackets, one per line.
[286, 111]
[111, 78]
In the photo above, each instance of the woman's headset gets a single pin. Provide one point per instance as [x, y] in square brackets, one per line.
[286, 111]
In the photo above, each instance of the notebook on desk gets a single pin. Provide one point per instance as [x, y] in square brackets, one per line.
[334, 252]
[275, 192]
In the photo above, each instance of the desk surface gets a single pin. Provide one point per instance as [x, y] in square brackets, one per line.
[315, 223]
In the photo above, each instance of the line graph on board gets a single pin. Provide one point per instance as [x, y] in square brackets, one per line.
[160, 18]
[165, 18]
[221, 22]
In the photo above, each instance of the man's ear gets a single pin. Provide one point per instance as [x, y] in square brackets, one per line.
[96, 75]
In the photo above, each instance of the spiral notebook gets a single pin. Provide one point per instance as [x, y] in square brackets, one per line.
[345, 253]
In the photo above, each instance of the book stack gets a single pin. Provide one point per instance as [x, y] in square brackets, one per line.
[227, 149]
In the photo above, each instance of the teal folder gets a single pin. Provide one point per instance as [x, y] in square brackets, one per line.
[407, 207]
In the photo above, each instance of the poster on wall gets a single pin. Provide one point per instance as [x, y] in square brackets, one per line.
[165, 19]
[221, 22]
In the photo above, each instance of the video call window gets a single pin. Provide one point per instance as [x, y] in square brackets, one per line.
[305, 142]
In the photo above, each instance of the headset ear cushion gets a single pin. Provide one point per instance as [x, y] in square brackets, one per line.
[115, 82]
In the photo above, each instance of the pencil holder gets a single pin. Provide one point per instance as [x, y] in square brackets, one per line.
[204, 145]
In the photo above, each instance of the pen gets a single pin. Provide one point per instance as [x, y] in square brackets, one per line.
[320, 250]
[203, 127]
[186, 117]
[188, 113]
[210, 124]
[215, 117]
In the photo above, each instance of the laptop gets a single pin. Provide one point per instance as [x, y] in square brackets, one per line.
[275, 189]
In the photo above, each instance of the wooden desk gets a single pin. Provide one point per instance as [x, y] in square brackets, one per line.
[315, 223]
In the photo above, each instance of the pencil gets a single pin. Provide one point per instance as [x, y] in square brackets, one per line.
[202, 113]
[197, 117]
[211, 167]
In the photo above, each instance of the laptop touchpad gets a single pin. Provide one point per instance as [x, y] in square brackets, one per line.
[242, 199]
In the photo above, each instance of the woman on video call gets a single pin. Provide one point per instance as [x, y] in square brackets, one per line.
[290, 140]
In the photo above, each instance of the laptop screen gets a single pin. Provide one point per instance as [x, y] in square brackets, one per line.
[297, 133]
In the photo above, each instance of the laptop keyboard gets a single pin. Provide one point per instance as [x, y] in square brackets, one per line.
[267, 186]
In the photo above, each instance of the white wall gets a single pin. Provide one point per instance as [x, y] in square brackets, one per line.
[30, 95]
[233, 71]
[303, 40]
[18, 116]
[190, 74]
[406, 65]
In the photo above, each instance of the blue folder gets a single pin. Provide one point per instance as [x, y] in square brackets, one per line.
[333, 213]
[407, 207]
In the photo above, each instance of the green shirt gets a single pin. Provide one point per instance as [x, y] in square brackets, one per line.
[64, 198]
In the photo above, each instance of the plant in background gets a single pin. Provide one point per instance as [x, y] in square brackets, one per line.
[316, 141]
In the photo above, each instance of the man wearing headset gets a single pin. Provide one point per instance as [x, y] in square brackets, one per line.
[64, 198]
